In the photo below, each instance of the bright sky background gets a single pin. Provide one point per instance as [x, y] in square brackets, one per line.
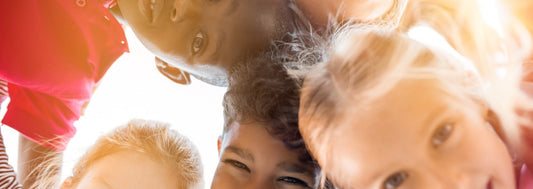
[133, 88]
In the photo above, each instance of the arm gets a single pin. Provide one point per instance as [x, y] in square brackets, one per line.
[8, 179]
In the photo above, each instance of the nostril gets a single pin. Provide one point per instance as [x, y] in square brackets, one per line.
[178, 10]
[174, 15]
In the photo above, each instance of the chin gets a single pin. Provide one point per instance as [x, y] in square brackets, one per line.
[219, 80]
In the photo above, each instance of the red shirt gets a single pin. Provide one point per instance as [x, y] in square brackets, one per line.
[53, 53]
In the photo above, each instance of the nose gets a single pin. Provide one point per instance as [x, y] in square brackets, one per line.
[258, 183]
[444, 177]
[179, 8]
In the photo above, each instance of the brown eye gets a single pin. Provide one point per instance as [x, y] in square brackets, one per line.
[198, 42]
[441, 134]
[395, 180]
[237, 164]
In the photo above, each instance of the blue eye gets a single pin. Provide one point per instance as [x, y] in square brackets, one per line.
[395, 180]
[294, 181]
[441, 134]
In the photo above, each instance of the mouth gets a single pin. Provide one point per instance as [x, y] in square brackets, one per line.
[150, 9]
[489, 184]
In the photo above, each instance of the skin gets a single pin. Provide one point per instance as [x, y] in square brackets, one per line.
[204, 38]
[444, 143]
[126, 169]
[251, 158]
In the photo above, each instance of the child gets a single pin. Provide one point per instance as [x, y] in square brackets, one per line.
[141, 154]
[54, 54]
[388, 112]
[261, 146]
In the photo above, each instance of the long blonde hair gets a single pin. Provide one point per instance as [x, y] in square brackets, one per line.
[152, 138]
[366, 64]
[463, 25]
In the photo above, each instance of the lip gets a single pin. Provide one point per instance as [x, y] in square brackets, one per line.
[489, 184]
[151, 9]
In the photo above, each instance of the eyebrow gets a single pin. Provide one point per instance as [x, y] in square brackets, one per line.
[295, 168]
[240, 152]
[101, 180]
[433, 118]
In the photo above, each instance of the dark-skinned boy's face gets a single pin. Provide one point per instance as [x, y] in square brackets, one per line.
[205, 37]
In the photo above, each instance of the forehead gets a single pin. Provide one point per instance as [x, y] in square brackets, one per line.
[386, 129]
[129, 169]
[254, 137]
[254, 141]
[406, 107]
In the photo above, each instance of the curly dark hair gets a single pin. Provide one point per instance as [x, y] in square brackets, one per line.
[265, 89]
[261, 91]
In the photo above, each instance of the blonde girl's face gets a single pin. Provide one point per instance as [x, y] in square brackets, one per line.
[127, 169]
[417, 136]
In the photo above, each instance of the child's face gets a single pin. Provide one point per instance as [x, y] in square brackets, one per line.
[251, 158]
[200, 36]
[417, 136]
[127, 169]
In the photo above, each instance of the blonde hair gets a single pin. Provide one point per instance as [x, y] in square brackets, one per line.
[152, 138]
[366, 64]
[463, 25]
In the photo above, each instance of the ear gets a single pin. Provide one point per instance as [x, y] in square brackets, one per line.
[67, 184]
[219, 144]
[175, 74]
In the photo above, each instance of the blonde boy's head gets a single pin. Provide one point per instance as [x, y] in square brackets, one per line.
[154, 140]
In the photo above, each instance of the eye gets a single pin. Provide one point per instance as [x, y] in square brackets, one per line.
[441, 134]
[395, 180]
[293, 181]
[237, 164]
[198, 43]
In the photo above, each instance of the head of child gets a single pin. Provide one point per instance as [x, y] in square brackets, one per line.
[142, 154]
[388, 112]
[261, 146]
[204, 38]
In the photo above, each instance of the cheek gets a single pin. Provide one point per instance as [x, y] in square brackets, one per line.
[221, 180]
[226, 178]
[479, 148]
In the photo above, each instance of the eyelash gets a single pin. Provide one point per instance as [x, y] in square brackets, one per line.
[289, 180]
[441, 135]
[294, 181]
[397, 179]
[237, 164]
[202, 37]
